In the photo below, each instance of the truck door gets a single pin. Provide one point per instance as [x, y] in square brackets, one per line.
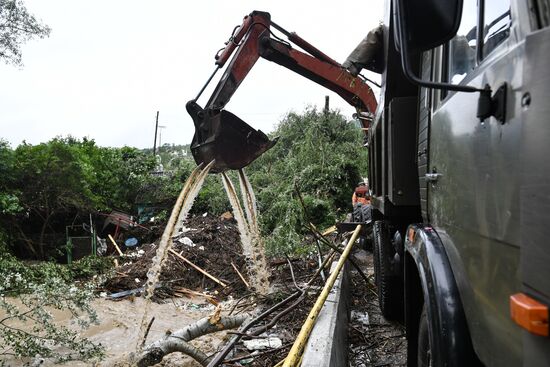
[472, 191]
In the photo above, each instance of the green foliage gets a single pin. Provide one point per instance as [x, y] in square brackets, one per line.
[9, 201]
[90, 266]
[318, 155]
[44, 186]
[29, 294]
[40, 334]
[41, 272]
[212, 197]
[17, 26]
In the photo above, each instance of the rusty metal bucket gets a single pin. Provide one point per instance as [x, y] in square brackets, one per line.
[222, 136]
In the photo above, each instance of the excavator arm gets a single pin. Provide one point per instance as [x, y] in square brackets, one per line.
[222, 136]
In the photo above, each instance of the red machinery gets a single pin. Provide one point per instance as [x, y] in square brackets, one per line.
[222, 136]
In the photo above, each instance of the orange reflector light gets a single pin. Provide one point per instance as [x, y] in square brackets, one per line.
[529, 314]
[411, 235]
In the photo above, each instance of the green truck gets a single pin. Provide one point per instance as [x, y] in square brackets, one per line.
[460, 180]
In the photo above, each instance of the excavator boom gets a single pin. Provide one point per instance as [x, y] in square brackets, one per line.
[221, 135]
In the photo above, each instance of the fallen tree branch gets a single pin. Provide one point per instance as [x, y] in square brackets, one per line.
[277, 317]
[321, 238]
[178, 341]
[252, 355]
[197, 268]
[218, 358]
[231, 344]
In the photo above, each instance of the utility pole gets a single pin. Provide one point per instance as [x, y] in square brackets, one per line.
[326, 110]
[156, 129]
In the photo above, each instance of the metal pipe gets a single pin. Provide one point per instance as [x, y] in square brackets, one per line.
[207, 82]
[295, 353]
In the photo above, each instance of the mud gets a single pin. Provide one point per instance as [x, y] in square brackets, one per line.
[119, 326]
[212, 244]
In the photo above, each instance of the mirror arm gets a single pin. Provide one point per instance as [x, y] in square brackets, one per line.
[399, 22]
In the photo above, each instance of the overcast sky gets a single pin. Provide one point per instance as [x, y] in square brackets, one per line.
[108, 66]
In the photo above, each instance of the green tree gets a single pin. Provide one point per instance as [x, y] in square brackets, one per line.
[52, 180]
[17, 26]
[9, 202]
[318, 155]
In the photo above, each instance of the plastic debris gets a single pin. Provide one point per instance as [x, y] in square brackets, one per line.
[260, 344]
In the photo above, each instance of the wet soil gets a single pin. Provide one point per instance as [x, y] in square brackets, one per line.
[373, 341]
[208, 242]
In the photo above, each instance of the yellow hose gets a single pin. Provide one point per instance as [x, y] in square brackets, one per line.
[294, 356]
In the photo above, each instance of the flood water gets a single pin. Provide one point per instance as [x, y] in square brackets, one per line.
[119, 326]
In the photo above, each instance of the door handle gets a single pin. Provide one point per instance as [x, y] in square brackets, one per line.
[432, 177]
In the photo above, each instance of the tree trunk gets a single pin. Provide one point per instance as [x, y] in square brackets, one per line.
[26, 240]
[178, 340]
[42, 233]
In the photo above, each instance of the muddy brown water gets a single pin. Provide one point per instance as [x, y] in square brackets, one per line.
[119, 326]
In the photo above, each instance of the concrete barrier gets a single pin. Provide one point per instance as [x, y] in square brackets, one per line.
[327, 346]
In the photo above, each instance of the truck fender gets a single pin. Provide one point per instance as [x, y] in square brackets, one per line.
[429, 278]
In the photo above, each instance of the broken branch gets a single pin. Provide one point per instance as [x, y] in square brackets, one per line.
[240, 275]
[178, 341]
[200, 270]
[116, 246]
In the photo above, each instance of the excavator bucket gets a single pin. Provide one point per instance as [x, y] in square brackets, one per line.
[222, 136]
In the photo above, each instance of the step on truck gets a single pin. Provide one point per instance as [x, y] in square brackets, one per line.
[460, 180]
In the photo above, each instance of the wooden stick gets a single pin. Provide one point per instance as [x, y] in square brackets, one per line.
[240, 275]
[116, 246]
[147, 331]
[198, 268]
[328, 230]
[195, 293]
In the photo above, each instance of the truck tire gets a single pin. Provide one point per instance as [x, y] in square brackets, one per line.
[366, 241]
[390, 286]
[366, 213]
[357, 214]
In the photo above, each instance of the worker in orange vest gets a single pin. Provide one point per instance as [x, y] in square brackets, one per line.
[361, 195]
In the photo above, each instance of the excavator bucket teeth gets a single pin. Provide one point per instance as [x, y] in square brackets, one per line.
[222, 136]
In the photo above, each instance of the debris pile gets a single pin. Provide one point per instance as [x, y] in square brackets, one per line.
[208, 242]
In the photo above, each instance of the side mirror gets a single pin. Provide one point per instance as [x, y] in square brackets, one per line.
[428, 23]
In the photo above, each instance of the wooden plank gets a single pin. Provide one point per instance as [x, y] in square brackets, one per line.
[116, 246]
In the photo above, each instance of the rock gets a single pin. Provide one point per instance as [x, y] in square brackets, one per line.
[186, 241]
[226, 216]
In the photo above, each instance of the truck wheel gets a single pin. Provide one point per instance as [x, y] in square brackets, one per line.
[424, 346]
[357, 213]
[390, 286]
[366, 212]
[366, 241]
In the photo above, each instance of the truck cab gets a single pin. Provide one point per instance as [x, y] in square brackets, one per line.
[461, 183]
